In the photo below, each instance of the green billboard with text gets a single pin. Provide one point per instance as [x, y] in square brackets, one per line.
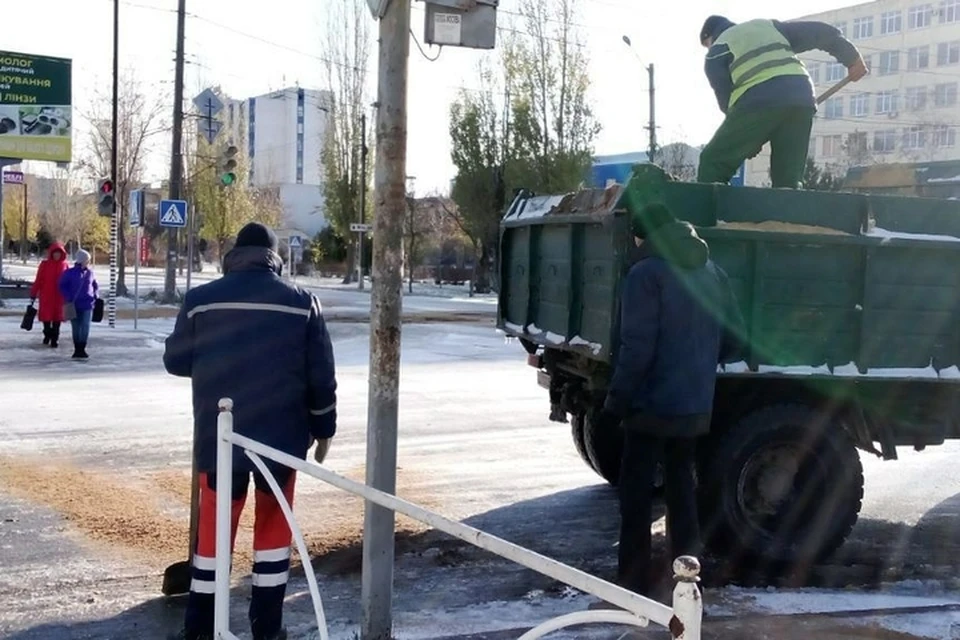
[36, 116]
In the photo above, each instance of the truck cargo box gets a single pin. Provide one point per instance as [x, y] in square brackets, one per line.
[829, 283]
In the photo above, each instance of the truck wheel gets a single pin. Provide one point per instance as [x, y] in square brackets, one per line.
[576, 432]
[603, 448]
[784, 485]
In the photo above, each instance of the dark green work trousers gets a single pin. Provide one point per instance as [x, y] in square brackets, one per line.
[743, 134]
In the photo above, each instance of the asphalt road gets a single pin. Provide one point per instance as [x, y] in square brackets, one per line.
[94, 481]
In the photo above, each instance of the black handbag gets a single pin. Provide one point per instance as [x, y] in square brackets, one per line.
[28, 317]
[98, 310]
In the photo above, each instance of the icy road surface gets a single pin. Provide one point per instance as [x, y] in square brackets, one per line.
[94, 494]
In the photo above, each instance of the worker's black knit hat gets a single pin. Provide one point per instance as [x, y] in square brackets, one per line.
[713, 26]
[254, 234]
[651, 218]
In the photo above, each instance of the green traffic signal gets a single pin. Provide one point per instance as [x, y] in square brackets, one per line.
[228, 178]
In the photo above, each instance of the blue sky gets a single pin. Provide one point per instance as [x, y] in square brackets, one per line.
[251, 47]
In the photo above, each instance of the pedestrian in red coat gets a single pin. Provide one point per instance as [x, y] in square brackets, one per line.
[46, 287]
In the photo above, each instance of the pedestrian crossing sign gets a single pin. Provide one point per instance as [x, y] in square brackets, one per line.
[173, 213]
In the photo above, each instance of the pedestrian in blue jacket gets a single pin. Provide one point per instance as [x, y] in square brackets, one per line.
[766, 93]
[80, 290]
[255, 338]
[678, 320]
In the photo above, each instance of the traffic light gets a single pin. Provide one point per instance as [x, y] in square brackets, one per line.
[228, 165]
[106, 200]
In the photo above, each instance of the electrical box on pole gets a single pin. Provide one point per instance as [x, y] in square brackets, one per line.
[461, 23]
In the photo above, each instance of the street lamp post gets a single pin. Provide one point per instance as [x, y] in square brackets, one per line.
[652, 126]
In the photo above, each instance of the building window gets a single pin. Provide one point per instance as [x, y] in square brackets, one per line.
[916, 98]
[814, 70]
[812, 147]
[950, 11]
[889, 63]
[944, 136]
[867, 62]
[841, 27]
[834, 108]
[857, 143]
[887, 102]
[914, 138]
[832, 146]
[836, 72]
[945, 95]
[863, 28]
[918, 57]
[948, 53]
[920, 16]
[860, 105]
[891, 22]
[885, 141]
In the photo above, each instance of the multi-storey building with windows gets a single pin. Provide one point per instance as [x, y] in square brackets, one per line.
[907, 109]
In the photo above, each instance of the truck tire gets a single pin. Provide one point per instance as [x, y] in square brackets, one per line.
[604, 448]
[782, 487]
[576, 432]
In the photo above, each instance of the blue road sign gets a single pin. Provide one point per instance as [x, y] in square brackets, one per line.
[173, 213]
[136, 207]
[295, 242]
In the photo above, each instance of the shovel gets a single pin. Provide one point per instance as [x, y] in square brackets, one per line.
[177, 576]
[826, 95]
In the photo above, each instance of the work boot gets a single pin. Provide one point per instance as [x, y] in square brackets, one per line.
[279, 635]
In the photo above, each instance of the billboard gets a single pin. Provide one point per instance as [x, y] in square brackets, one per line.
[36, 118]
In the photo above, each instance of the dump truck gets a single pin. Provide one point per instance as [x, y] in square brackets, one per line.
[850, 303]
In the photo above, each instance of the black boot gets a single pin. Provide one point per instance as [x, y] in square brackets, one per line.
[46, 333]
[83, 350]
[77, 350]
[55, 335]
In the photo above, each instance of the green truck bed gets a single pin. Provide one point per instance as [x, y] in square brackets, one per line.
[874, 292]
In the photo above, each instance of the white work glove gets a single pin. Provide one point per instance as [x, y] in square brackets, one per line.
[320, 453]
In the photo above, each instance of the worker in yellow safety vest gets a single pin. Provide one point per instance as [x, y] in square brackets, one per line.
[766, 93]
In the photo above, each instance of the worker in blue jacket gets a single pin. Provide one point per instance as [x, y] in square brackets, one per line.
[261, 341]
[678, 320]
[766, 93]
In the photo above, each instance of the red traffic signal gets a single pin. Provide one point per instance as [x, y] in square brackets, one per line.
[106, 203]
[106, 187]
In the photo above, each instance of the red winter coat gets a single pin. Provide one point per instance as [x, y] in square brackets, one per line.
[45, 286]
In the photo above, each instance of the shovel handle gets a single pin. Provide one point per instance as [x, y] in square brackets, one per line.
[832, 90]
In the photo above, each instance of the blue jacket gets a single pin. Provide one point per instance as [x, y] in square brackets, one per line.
[77, 285]
[678, 320]
[782, 91]
[254, 338]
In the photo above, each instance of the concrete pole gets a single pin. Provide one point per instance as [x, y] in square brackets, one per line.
[652, 154]
[385, 315]
[176, 155]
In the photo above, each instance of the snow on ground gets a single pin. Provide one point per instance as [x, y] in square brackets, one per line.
[94, 480]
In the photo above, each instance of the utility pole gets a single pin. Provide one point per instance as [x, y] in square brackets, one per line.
[114, 223]
[23, 231]
[652, 153]
[385, 315]
[176, 159]
[363, 196]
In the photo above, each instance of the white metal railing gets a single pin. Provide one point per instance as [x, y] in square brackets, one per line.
[683, 619]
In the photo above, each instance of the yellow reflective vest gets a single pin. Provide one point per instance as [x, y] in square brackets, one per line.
[760, 53]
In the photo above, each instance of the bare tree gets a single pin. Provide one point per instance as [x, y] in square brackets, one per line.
[679, 160]
[139, 125]
[62, 209]
[346, 46]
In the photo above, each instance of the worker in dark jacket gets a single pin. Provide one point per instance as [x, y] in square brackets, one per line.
[253, 337]
[766, 93]
[679, 320]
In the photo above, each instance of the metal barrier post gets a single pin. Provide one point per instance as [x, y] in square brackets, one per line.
[224, 491]
[687, 602]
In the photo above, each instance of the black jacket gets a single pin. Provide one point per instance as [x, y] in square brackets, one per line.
[782, 91]
[254, 338]
[678, 321]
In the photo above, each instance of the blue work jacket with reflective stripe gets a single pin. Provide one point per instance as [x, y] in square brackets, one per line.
[261, 341]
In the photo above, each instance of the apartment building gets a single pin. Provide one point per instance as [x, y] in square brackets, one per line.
[907, 109]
